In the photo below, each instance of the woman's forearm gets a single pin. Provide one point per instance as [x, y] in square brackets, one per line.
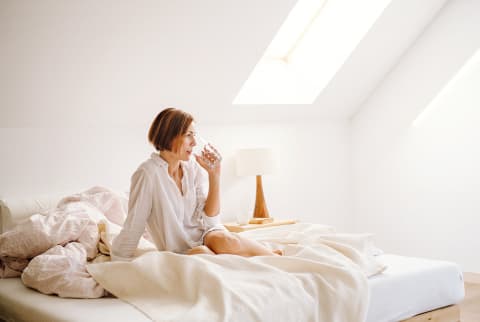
[212, 204]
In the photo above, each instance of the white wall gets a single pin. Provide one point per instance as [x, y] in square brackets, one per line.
[311, 183]
[80, 82]
[418, 189]
[107, 63]
[37, 161]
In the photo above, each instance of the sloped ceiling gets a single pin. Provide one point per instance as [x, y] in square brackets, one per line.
[66, 63]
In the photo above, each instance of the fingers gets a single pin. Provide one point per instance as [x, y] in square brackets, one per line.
[210, 157]
[215, 151]
[213, 155]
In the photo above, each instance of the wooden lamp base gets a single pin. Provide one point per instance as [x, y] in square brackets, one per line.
[260, 213]
[260, 221]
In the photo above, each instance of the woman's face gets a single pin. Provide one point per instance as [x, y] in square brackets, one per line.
[186, 143]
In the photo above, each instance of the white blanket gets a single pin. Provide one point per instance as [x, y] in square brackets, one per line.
[50, 250]
[322, 277]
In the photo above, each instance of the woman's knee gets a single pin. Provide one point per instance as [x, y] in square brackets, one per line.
[223, 242]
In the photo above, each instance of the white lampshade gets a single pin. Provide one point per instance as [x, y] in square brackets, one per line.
[252, 162]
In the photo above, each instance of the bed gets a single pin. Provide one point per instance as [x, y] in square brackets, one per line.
[409, 288]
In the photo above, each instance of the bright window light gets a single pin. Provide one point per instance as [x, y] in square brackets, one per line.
[308, 50]
[462, 72]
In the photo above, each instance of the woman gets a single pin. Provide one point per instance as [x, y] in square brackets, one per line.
[168, 197]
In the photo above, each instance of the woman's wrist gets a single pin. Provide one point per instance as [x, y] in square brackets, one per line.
[214, 177]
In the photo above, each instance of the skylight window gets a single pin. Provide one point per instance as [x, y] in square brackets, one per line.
[464, 71]
[308, 50]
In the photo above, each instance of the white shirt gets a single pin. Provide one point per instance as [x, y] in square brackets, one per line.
[174, 221]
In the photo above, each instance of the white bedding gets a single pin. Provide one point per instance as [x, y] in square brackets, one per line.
[321, 277]
[50, 250]
[401, 291]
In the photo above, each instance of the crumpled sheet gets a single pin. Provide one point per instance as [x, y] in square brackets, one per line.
[41, 232]
[52, 249]
[61, 270]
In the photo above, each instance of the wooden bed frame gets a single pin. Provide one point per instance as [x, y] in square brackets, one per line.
[445, 314]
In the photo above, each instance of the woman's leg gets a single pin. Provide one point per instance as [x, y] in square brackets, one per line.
[200, 250]
[224, 242]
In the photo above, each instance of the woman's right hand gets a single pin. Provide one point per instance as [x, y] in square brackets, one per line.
[210, 159]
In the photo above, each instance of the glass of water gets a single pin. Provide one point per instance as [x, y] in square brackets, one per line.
[207, 152]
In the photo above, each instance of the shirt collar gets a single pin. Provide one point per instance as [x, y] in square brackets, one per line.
[158, 159]
[155, 156]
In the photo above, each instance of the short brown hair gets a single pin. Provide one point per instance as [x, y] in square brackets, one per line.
[167, 126]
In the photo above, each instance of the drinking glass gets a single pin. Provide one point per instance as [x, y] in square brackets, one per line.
[204, 146]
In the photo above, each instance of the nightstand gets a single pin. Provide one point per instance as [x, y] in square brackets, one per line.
[236, 228]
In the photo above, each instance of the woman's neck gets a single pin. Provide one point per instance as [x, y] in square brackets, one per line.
[173, 162]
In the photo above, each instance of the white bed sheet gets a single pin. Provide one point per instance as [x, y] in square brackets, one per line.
[410, 286]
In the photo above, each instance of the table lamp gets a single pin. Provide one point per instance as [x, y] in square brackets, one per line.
[256, 162]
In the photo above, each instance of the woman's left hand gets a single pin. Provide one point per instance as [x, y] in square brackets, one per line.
[210, 159]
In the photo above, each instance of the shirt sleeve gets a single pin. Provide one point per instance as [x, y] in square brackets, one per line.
[139, 209]
[201, 190]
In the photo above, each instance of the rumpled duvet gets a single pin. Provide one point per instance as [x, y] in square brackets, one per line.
[50, 250]
[321, 277]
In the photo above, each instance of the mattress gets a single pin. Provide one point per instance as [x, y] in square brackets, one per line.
[19, 303]
[408, 286]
